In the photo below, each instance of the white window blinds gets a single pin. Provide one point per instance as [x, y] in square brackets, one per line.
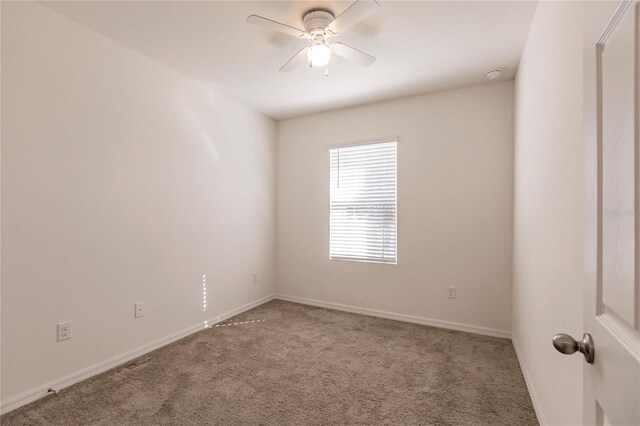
[363, 202]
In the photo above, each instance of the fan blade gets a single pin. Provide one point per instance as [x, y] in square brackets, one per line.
[353, 54]
[353, 14]
[299, 57]
[278, 26]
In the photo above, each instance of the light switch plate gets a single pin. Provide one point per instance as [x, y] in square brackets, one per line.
[139, 310]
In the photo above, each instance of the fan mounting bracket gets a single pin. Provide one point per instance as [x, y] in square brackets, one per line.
[316, 21]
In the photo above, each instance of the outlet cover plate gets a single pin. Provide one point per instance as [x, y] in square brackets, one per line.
[451, 292]
[65, 331]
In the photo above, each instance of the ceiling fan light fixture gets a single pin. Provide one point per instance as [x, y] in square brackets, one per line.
[320, 26]
[319, 55]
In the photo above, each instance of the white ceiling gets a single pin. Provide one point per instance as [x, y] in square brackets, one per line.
[421, 46]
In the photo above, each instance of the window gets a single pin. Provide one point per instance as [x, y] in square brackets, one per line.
[363, 202]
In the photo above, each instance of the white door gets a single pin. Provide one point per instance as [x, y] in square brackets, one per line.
[612, 300]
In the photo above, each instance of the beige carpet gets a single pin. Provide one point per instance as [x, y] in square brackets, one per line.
[300, 365]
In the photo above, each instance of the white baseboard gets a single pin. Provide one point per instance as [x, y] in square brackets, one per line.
[527, 379]
[469, 328]
[63, 382]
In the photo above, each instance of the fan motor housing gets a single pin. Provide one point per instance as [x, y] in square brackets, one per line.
[317, 20]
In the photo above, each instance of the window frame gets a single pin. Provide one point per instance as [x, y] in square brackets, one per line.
[374, 141]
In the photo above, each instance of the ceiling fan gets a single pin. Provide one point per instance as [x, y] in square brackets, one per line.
[320, 26]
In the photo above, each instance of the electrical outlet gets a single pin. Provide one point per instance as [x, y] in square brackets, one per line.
[451, 292]
[139, 310]
[255, 277]
[65, 332]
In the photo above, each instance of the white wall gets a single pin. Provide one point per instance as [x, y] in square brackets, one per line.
[455, 183]
[122, 181]
[549, 209]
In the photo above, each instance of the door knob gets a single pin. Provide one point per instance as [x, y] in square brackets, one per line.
[568, 345]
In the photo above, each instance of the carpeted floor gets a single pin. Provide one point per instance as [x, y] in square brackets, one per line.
[288, 364]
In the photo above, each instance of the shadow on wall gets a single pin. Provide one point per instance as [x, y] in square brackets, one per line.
[199, 127]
